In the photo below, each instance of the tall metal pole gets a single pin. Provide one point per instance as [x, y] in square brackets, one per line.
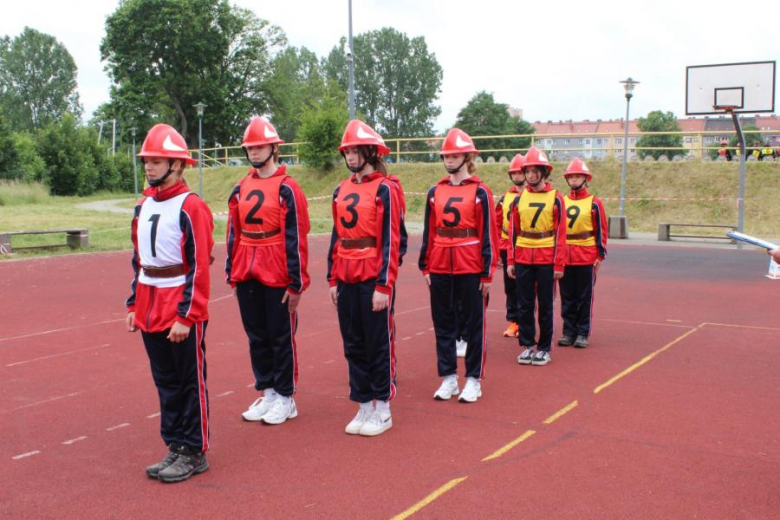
[351, 61]
[625, 162]
[135, 166]
[742, 158]
[200, 154]
[113, 138]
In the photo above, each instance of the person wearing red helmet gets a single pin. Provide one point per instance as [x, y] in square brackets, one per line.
[503, 215]
[267, 265]
[724, 152]
[172, 243]
[458, 256]
[538, 242]
[586, 248]
[363, 260]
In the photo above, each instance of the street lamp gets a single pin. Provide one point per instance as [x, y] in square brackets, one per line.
[135, 164]
[621, 222]
[199, 107]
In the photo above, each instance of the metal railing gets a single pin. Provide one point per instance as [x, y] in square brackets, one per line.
[600, 146]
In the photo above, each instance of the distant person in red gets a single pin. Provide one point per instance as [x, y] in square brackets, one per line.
[586, 248]
[724, 152]
[458, 256]
[172, 243]
[363, 259]
[267, 260]
[538, 236]
[503, 215]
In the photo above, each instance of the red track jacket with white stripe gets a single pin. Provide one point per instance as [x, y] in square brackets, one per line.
[362, 211]
[275, 205]
[460, 234]
[171, 227]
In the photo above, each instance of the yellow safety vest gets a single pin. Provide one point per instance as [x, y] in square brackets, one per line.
[536, 216]
[506, 208]
[579, 220]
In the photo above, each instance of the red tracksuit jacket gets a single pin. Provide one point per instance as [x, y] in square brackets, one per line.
[555, 254]
[503, 243]
[587, 254]
[274, 204]
[371, 208]
[467, 206]
[171, 227]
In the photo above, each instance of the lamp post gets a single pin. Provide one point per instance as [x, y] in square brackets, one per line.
[619, 225]
[199, 107]
[135, 165]
[351, 62]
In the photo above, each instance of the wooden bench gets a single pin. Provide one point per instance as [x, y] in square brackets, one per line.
[74, 239]
[665, 235]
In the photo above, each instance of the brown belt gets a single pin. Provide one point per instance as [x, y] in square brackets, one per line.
[260, 234]
[358, 243]
[535, 234]
[579, 236]
[169, 271]
[456, 233]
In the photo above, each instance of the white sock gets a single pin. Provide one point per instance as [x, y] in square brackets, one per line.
[270, 394]
[367, 406]
[383, 406]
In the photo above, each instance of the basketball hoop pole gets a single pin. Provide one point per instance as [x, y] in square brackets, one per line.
[742, 174]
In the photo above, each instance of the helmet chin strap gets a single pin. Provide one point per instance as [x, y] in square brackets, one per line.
[578, 188]
[370, 159]
[260, 164]
[453, 171]
[156, 182]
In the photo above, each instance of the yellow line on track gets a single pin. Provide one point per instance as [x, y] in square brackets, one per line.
[509, 446]
[560, 413]
[646, 359]
[740, 326]
[430, 498]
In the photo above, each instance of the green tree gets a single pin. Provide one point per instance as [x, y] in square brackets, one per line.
[68, 151]
[31, 167]
[37, 80]
[321, 129]
[164, 56]
[9, 156]
[397, 81]
[296, 84]
[483, 115]
[660, 121]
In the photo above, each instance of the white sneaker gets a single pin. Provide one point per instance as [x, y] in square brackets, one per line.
[526, 357]
[471, 392]
[541, 358]
[258, 409]
[377, 423]
[356, 424]
[461, 347]
[448, 388]
[281, 410]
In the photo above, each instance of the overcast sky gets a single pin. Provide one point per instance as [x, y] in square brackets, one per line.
[555, 60]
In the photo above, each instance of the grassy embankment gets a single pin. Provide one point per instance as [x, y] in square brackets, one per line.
[30, 207]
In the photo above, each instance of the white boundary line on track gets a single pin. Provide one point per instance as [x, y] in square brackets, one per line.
[56, 355]
[37, 403]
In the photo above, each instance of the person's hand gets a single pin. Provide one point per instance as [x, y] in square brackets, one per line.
[775, 254]
[597, 264]
[379, 301]
[334, 296]
[130, 322]
[292, 301]
[499, 264]
[485, 288]
[178, 333]
[557, 275]
[427, 279]
[510, 271]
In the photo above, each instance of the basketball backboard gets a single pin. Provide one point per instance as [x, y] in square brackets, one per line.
[746, 87]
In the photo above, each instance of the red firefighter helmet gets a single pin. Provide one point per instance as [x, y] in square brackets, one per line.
[457, 141]
[536, 157]
[724, 142]
[578, 167]
[359, 133]
[518, 161]
[260, 132]
[165, 142]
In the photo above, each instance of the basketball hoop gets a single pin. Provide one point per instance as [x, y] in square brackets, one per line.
[725, 108]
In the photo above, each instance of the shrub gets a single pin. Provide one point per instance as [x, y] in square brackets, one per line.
[321, 129]
[68, 151]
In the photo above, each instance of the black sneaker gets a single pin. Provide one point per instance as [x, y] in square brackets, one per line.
[154, 470]
[582, 342]
[186, 465]
[541, 358]
[566, 341]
